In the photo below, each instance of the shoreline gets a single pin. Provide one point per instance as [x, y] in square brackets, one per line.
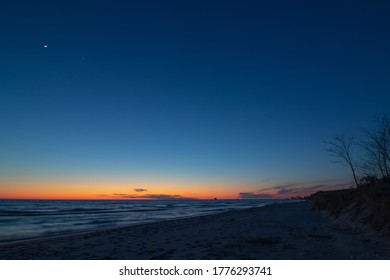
[31, 221]
[278, 231]
[102, 230]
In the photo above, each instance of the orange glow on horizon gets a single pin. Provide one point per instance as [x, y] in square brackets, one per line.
[88, 190]
[136, 190]
[78, 189]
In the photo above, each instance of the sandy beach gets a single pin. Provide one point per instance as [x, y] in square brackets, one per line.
[284, 231]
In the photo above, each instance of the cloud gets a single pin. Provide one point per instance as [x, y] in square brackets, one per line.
[279, 188]
[286, 186]
[291, 190]
[140, 190]
[166, 196]
[152, 196]
[252, 195]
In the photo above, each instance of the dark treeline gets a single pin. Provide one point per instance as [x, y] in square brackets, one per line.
[374, 167]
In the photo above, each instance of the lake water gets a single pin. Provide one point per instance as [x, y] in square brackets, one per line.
[24, 219]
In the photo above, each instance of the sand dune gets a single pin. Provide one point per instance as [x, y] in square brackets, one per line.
[286, 231]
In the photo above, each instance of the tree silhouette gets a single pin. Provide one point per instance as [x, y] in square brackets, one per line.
[340, 147]
[377, 146]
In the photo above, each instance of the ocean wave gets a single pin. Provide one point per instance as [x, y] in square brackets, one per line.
[21, 219]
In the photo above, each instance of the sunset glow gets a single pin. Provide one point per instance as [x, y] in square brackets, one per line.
[114, 191]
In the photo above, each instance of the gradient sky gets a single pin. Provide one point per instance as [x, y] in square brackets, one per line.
[170, 99]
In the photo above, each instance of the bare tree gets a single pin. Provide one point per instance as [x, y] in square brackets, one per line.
[340, 147]
[377, 146]
[372, 164]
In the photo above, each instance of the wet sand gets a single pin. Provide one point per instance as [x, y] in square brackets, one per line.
[285, 231]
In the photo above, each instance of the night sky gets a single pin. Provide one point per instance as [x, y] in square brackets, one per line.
[149, 99]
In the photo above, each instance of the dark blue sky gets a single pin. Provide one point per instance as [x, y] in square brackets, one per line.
[242, 91]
